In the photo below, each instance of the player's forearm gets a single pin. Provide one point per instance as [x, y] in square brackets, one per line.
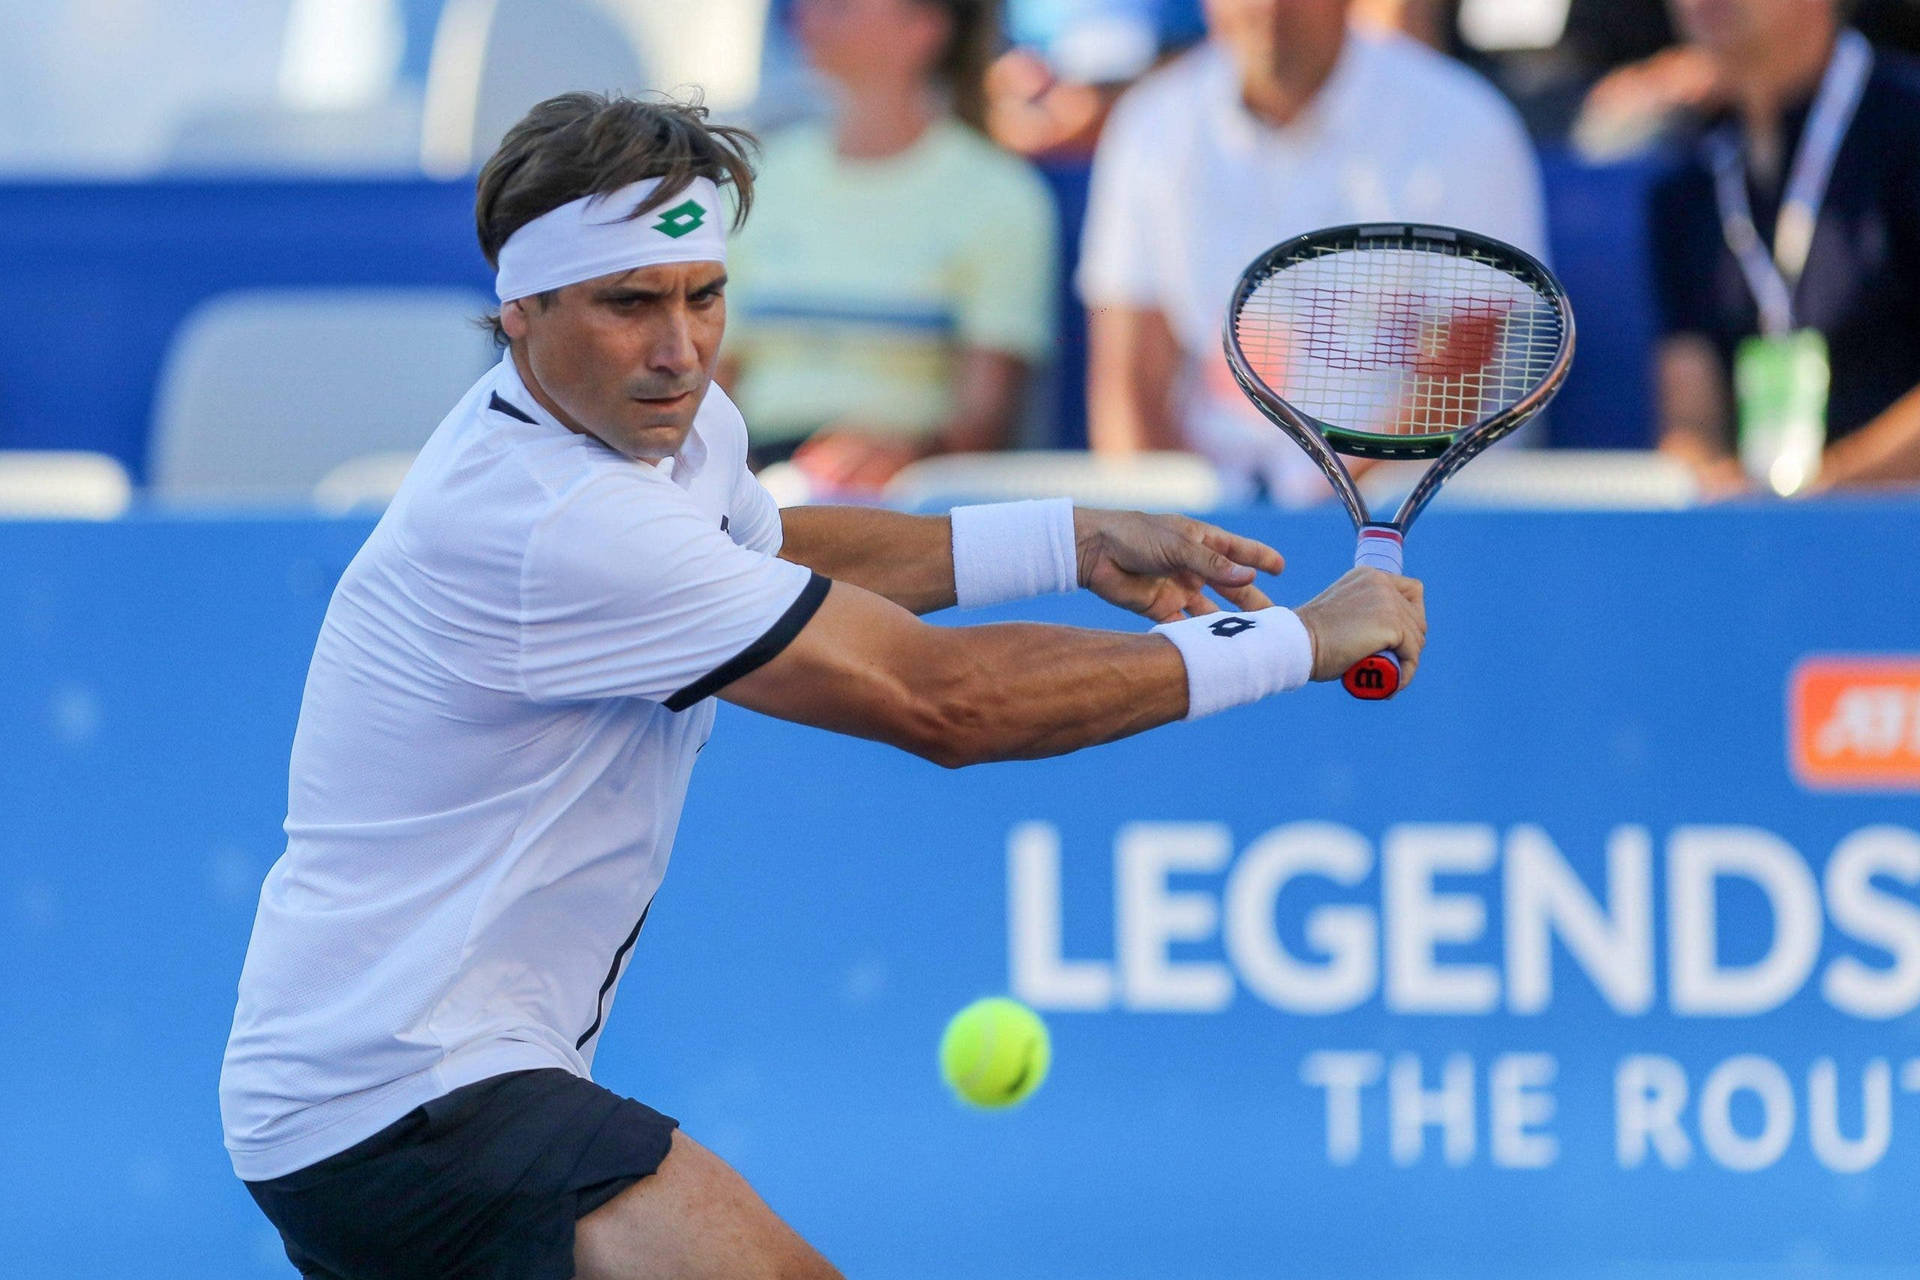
[907, 559]
[1021, 691]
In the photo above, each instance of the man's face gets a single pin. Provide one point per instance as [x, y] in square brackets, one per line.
[627, 357]
[1738, 26]
[848, 40]
[1270, 39]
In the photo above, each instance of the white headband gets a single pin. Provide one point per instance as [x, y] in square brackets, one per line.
[593, 237]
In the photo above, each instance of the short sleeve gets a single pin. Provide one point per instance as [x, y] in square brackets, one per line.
[1116, 267]
[1007, 277]
[754, 516]
[629, 590]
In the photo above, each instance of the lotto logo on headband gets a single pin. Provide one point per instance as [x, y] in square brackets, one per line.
[1854, 722]
[681, 219]
[598, 236]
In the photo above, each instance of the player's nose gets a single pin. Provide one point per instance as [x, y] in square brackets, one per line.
[670, 347]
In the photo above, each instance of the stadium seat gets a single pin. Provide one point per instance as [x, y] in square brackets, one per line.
[266, 138]
[61, 485]
[262, 394]
[1548, 479]
[1158, 481]
[493, 59]
[718, 45]
[366, 483]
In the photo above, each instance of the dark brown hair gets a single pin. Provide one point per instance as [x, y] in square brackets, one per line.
[584, 144]
[970, 50]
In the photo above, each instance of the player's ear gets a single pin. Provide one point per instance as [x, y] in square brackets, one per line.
[513, 318]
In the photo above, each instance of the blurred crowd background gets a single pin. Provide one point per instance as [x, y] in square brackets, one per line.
[992, 242]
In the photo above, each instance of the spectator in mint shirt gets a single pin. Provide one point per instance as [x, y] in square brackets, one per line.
[894, 291]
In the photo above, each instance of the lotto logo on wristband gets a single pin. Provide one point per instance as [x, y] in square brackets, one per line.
[1228, 628]
[1853, 722]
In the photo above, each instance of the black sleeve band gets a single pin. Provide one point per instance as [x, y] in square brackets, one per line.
[761, 651]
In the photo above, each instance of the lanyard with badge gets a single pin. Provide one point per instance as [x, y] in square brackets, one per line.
[1781, 375]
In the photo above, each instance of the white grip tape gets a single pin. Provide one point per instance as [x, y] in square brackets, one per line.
[1384, 549]
[1236, 658]
[1006, 551]
[1380, 548]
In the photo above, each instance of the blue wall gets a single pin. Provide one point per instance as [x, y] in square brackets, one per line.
[832, 902]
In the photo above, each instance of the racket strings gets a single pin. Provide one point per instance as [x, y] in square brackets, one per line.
[1398, 341]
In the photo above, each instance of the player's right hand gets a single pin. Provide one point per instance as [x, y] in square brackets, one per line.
[1365, 612]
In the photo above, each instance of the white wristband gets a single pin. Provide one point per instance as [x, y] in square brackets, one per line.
[1236, 658]
[1012, 551]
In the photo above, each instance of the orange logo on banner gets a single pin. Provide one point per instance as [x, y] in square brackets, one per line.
[1854, 722]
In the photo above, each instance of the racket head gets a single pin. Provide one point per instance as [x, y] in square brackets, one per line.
[1397, 340]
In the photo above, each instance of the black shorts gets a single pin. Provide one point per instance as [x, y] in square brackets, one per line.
[483, 1184]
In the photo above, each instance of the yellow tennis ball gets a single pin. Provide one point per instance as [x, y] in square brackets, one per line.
[995, 1052]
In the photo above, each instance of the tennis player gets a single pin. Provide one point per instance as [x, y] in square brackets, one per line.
[512, 682]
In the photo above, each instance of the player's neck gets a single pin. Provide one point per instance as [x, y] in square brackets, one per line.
[1769, 79]
[524, 368]
[881, 118]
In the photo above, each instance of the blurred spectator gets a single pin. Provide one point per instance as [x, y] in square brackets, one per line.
[1428, 21]
[1671, 89]
[1890, 24]
[1543, 54]
[1632, 106]
[1283, 122]
[1787, 254]
[1036, 111]
[894, 287]
[1049, 95]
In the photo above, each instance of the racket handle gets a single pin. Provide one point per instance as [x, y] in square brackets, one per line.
[1377, 678]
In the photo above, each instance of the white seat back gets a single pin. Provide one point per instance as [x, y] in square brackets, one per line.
[1154, 481]
[366, 483]
[60, 485]
[1548, 479]
[380, 138]
[263, 393]
[493, 59]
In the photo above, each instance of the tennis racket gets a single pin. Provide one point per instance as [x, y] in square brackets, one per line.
[1396, 341]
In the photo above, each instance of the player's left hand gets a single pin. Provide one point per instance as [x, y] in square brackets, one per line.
[1162, 566]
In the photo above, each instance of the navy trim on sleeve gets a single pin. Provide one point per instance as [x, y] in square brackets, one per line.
[761, 651]
[508, 407]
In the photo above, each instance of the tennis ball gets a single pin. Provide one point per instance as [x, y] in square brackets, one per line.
[995, 1052]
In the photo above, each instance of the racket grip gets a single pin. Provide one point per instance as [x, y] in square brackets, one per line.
[1377, 678]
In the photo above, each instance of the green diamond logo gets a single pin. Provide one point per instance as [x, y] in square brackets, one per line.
[681, 219]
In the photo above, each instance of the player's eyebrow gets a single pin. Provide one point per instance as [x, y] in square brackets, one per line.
[627, 292]
[634, 293]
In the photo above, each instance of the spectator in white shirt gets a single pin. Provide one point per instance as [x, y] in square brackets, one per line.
[1284, 121]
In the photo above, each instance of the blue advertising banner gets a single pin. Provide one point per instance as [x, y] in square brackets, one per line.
[1596, 953]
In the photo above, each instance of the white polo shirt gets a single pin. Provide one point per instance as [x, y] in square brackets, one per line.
[498, 730]
[1189, 188]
